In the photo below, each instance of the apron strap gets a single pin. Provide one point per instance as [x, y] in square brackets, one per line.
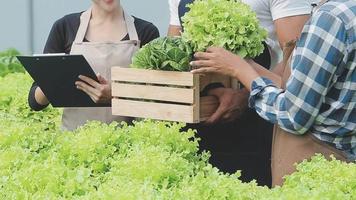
[84, 23]
[83, 27]
[288, 49]
[130, 25]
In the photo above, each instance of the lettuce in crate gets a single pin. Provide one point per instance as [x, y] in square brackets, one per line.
[167, 53]
[230, 24]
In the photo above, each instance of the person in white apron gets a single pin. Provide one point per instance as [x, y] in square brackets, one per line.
[101, 56]
[102, 50]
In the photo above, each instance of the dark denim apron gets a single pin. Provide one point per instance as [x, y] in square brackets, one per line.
[244, 144]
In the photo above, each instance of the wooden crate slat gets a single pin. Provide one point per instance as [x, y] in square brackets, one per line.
[208, 106]
[163, 87]
[235, 84]
[214, 78]
[161, 93]
[196, 108]
[152, 110]
[152, 76]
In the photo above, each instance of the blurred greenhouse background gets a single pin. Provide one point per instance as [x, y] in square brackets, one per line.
[26, 23]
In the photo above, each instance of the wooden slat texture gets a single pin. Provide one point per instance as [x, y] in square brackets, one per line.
[152, 76]
[235, 84]
[152, 110]
[208, 106]
[196, 105]
[161, 93]
[214, 78]
[201, 108]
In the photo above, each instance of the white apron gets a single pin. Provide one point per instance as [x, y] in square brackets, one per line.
[101, 57]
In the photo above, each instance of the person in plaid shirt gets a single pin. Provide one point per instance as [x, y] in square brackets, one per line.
[316, 111]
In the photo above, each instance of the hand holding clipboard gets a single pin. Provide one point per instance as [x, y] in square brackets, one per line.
[57, 76]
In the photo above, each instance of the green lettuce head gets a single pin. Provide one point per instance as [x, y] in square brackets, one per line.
[230, 24]
[167, 53]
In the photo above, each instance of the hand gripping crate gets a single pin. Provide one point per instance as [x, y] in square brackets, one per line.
[163, 95]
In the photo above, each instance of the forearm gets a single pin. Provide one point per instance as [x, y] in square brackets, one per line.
[174, 31]
[275, 75]
[40, 97]
[36, 99]
[245, 73]
[278, 69]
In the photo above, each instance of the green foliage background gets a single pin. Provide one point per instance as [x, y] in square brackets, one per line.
[148, 160]
[9, 62]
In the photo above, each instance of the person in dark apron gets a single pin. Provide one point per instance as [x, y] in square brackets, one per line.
[233, 145]
[313, 103]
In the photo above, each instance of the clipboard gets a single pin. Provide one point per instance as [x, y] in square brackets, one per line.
[56, 75]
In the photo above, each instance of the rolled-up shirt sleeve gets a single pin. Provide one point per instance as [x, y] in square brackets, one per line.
[319, 52]
[287, 8]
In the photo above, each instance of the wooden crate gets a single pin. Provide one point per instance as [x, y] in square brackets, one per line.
[163, 95]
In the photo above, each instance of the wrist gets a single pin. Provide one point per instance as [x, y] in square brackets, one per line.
[236, 74]
[245, 92]
[238, 64]
[243, 95]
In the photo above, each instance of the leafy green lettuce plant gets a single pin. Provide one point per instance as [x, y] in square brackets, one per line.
[146, 160]
[168, 54]
[224, 23]
[9, 62]
[319, 178]
[14, 89]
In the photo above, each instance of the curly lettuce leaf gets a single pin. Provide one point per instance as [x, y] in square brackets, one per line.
[169, 54]
[223, 23]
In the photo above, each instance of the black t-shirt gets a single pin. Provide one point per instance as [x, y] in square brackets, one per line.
[64, 30]
[62, 36]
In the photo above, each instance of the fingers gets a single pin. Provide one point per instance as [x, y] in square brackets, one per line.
[202, 56]
[204, 70]
[87, 89]
[98, 92]
[230, 116]
[219, 113]
[208, 54]
[233, 114]
[101, 79]
[214, 49]
[201, 63]
[90, 94]
[89, 81]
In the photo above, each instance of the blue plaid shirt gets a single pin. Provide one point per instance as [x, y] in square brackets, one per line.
[320, 95]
